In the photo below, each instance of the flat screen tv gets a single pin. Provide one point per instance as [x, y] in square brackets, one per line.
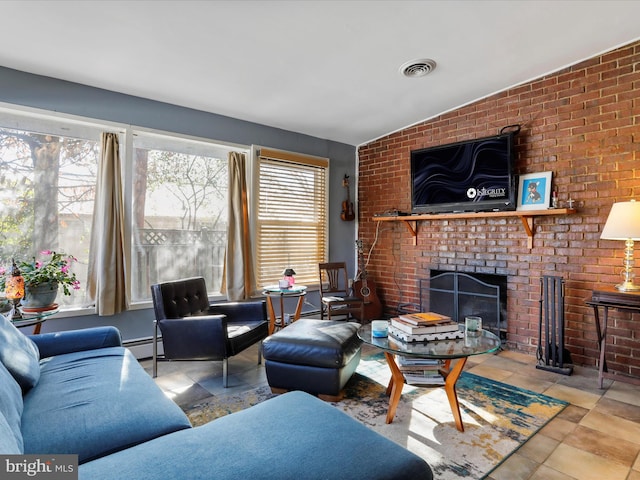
[469, 176]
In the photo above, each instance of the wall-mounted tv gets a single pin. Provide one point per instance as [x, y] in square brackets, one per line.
[475, 175]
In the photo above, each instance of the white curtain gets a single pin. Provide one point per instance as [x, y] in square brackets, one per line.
[238, 275]
[107, 257]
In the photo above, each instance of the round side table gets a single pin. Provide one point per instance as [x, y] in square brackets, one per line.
[274, 292]
[34, 320]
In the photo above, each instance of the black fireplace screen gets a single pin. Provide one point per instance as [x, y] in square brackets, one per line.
[458, 295]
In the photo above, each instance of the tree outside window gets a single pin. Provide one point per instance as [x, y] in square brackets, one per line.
[180, 211]
[47, 193]
[48, 189]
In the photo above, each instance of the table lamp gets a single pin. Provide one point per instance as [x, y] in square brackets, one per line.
[623, 223]
[288, 275]
[14, 290]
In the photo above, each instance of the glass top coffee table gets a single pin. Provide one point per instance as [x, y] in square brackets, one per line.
[446, 351]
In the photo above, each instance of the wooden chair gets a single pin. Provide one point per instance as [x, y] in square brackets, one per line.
[337, 297]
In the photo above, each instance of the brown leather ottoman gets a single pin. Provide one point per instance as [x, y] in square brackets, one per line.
[314, 356]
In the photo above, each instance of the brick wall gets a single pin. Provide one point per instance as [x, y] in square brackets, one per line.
[583, 124]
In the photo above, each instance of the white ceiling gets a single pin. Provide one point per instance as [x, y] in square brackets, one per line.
[323, 68]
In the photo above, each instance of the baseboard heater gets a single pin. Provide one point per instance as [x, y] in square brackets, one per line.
[141, 348]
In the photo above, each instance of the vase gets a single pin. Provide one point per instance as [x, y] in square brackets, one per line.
[40, 295]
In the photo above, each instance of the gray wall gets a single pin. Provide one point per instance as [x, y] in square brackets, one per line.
[21, 88]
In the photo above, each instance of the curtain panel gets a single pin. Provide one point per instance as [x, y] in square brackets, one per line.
[106, 284]
[239, 273]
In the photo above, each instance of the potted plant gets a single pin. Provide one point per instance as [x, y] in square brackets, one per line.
[43, 277]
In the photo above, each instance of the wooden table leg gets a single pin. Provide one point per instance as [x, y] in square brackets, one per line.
[272, 316]
[451, 376]
[394, 389]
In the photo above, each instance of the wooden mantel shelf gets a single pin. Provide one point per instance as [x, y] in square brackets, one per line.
[526, 216]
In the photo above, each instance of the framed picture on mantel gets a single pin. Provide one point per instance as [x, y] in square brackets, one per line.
[534, 191]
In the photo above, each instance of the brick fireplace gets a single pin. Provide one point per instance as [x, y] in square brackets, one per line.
[582, 125]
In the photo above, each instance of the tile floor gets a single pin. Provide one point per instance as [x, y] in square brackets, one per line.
[596, 437]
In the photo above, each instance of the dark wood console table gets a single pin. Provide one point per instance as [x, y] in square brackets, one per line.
[609, 297]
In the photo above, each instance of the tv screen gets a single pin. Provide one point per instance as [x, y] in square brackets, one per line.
[475, 175]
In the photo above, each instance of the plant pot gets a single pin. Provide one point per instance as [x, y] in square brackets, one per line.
[40, 295]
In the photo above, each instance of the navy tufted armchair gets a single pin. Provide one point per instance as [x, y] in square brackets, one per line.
[193, 329]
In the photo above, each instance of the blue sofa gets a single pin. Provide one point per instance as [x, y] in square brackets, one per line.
[80, 392]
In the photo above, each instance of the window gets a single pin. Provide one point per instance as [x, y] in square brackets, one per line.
[47, 189]
[291, 215]
[180, 191]
[177, 190]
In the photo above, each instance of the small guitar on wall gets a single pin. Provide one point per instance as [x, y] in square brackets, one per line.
[347, 206]
[366, 289]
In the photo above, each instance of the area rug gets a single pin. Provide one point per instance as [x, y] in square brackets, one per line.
[498, 418]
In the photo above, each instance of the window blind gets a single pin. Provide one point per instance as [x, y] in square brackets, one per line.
[291, 216]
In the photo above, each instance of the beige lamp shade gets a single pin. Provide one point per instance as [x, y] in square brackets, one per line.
[623, 222]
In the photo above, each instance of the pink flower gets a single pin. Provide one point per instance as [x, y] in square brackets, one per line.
[46, 252]
[38, 264]
[3, 270]
[64, 268]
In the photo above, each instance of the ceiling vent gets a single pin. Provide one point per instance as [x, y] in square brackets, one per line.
[417, 68]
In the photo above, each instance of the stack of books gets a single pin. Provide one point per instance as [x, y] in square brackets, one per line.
[420, 371]
[424, 327]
